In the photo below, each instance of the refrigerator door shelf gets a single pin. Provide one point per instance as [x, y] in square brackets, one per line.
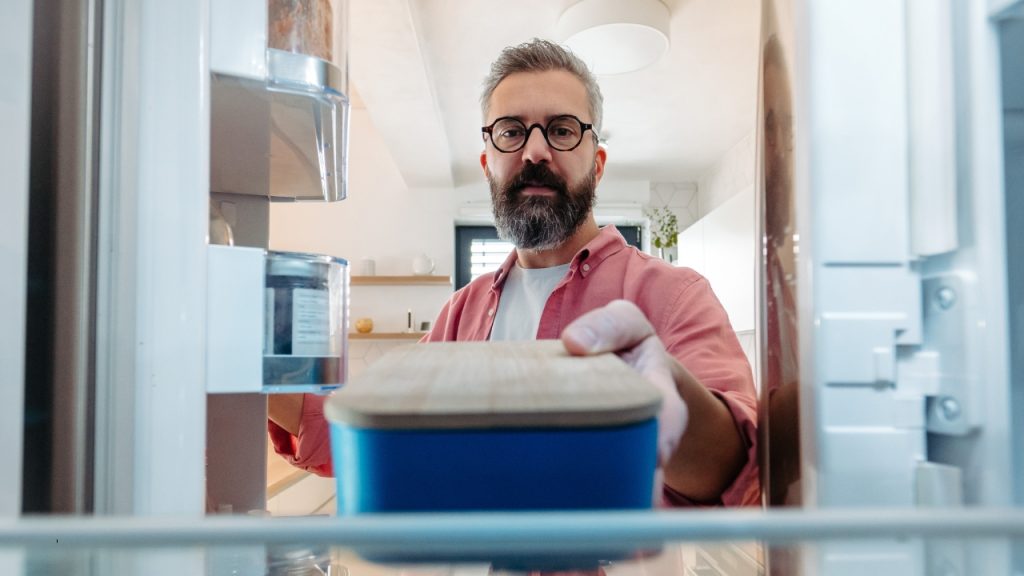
[276, 321]
[298, 72]
[284, 137]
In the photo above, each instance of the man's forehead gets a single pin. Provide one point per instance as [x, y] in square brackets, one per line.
[560, 80]
[539, 95]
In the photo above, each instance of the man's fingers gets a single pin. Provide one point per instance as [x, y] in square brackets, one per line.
[623, 328]
[618, 326]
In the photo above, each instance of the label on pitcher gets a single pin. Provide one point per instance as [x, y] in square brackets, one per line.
[268, 321]
[311, 323]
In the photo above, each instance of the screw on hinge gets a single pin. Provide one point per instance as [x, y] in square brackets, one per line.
[949, 408]
[945, 297]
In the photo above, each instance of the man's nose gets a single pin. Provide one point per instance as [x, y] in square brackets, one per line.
[536, 149]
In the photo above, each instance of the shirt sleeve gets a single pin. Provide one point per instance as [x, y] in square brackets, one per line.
[696, 331]
[439, 330]
[311, 449]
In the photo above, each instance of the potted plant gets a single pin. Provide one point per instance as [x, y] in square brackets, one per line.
[664, 229]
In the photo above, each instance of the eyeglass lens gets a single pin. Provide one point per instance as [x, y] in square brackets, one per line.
[562, 133]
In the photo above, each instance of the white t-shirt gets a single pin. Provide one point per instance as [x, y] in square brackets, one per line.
[522, 301]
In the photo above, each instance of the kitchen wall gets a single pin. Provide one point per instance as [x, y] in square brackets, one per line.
[721, 244]
[381, 218]
[730, 175]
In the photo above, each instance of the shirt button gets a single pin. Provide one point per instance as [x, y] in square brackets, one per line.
[586, 267]
[490, 312]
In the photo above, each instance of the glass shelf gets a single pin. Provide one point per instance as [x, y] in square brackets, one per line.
[286, 137]
[725, 542]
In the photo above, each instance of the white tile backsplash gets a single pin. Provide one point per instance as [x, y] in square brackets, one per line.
[733, 172]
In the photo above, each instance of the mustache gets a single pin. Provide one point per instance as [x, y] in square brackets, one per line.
[538, 175]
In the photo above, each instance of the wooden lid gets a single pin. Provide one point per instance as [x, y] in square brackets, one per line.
[530, 384]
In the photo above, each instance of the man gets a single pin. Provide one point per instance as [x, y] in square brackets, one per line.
[569, 279]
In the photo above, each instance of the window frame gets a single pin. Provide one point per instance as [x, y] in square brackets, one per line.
[465, 234]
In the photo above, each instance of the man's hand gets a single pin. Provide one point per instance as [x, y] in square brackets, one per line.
[704, 461]
[621, 327]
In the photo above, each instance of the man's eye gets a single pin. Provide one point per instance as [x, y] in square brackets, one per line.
[511, 133]
[562, 131]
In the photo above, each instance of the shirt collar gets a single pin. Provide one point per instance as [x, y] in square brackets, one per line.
[607, 242]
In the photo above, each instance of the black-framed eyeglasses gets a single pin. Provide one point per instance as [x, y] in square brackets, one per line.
[563, 133]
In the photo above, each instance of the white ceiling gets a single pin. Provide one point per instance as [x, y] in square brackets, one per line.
[418, 67]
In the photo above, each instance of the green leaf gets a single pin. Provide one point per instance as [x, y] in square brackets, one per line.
[664, 227]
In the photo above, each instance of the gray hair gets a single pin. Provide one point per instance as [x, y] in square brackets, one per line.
[540, 56]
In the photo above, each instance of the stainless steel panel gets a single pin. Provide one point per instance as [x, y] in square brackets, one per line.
[60, 383]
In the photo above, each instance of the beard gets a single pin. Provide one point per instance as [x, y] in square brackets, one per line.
[540, 222]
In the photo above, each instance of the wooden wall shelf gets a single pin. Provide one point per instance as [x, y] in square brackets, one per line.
[401, 280]
[386, 336]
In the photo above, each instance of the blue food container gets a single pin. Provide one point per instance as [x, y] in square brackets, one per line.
[494, 426]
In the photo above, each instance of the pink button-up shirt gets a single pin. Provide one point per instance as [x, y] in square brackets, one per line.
[678, 302]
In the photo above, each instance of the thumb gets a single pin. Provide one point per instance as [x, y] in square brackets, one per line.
[617, 326]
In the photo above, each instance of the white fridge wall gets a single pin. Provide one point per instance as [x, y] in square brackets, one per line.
[15, 107]
[986, 455]
[868, 290]
[872, 317]
[239, 47]
[1013, 124]
[172, 187]
[151, 327]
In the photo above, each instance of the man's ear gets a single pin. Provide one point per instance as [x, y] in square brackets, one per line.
[483, 164]
[599, 158]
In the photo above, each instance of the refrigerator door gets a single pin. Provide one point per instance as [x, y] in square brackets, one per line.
[905, 274]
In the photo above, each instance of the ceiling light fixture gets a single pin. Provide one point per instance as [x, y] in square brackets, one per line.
[615, 36]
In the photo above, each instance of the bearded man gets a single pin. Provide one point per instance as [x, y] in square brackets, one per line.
[567, 278]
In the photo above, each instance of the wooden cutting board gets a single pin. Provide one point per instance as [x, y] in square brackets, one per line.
[493, 384]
